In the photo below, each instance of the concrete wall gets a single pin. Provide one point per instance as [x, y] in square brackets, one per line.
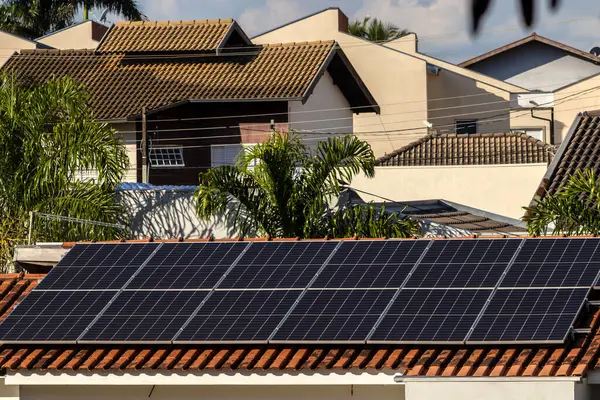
[395, 392]
[489, 390]
[86, 35]
[500, 189]
[326, 110]
[537, 66]
[569, 101]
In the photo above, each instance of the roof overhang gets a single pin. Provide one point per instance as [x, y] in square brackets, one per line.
[347, 80]
[344, 377]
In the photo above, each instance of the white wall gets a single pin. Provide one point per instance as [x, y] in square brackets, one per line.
[500, 189]
[128, 135]
[489, 390]
[392, 392]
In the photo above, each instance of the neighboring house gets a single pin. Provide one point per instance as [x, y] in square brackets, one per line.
[579, 151]
[206, 89]
[565, 78]
[84, 35]
[414, 90]
[494, 172]
[309, 370]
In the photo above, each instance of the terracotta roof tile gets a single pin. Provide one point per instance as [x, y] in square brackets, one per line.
[153, 36]
[120, 85]
[470, 149]
[580, 150]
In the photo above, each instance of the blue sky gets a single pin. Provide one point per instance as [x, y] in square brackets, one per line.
[442, 25]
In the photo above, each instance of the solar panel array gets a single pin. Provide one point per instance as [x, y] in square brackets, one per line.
[393, 291]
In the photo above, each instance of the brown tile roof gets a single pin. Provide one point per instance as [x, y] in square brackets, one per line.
[575, 358]
[146, 36]
[470, 149]
[533, 37]
[580, 150]
[121, 85]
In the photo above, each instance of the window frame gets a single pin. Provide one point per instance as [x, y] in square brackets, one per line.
[151, 157]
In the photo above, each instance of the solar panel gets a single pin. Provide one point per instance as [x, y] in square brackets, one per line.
[97, 266]
[145, 316]
[53, 316]
[463, 263]
[239, 315]
[188, 265]
[430, 316]
[555, 263]
[531, 315]
[278, 265]
[370, 264]
[334, 315]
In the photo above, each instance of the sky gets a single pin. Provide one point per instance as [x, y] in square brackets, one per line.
[442, 25]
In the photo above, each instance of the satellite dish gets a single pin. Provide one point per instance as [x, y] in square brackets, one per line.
[103, 16]
[595, 51]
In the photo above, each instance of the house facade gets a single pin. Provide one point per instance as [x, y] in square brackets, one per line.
[206, 91]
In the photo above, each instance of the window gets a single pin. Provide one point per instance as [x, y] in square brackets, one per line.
[87, 175]
[226, 154]
[166, 157]
[537, 133]
[466, 126]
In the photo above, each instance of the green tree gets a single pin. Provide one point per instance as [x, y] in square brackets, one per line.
[282, 189]
[572, 210]
[48, 138]
[35, 18]
[375, 30]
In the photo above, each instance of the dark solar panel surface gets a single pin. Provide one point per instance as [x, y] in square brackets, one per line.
[370, 264]
[278, 265]
[531, 315]
[431, 316]
[334, 315]
[239, 315]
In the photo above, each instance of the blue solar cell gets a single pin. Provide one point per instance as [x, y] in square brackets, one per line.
[278, 265]
[431, 316]
[370, 264]
[530, 315]
[463, 263]
[187, 265]
[334, 315]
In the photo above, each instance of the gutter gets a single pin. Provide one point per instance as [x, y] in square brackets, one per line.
[550, 120]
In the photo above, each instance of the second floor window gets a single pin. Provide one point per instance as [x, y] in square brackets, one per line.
[466, 126]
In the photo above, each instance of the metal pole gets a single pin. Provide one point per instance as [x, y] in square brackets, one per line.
[145, 175]
[30, 228]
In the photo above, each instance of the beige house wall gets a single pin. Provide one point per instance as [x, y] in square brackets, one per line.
[499, 189]
[9, 44]
[79, 36]
[522, 119]
[126, 132]
[571, 100]
[401, 94]
[407, 44]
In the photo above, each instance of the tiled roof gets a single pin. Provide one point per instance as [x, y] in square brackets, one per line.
[580, 150]
[121, 85]
[575, 358]
[154, 36]
[533, 37]
[470, 149]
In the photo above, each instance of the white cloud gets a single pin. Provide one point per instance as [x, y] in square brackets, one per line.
[271, 14]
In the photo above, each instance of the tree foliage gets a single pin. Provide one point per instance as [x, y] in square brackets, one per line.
[375, 30]
[48, 137]
[35, 18]
[572, 210]
[282, 189]
[480, 7]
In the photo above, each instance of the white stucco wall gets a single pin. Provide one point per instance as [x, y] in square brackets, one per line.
[500, 189]
[126, 131]
[78, 36]
[9, 44]
[392, 392]
[490, 390]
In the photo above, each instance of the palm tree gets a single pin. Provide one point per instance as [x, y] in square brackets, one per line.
[48, 137]
[35, 18]
[572, 210]
[282, 189]
[375, 30]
